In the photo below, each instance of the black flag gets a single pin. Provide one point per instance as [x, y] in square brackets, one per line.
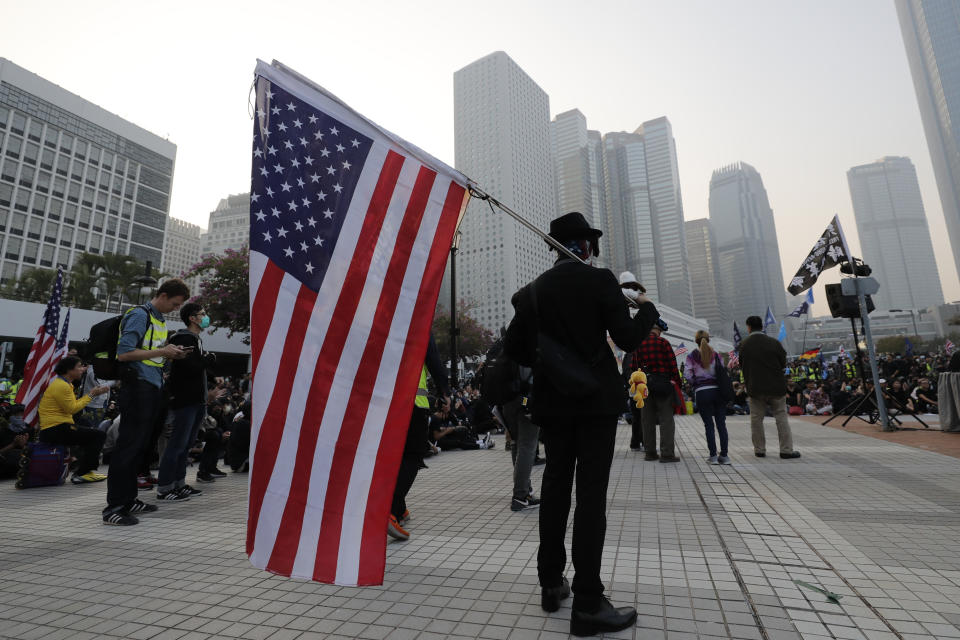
[829, 251]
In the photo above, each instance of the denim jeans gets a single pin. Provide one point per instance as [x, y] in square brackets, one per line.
[173, 464]
[713, 410]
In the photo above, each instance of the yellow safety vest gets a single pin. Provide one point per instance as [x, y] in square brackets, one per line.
[422, 401]
[154, 338]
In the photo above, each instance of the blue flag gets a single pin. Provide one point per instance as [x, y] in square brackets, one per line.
[909, 346]
[783, 332]
[769, 319]
[801, 310]
[810, 296]
[736, 336]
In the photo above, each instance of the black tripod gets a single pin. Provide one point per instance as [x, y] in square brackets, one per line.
[854, 405]
[875, 414]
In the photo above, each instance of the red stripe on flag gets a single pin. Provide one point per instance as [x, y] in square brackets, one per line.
[265, 455]
[291, 524]
[374, 541]
[338, 484]
[264, 306]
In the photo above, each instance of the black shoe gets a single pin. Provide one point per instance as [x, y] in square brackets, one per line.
[518, 504]
[173, 495]
[187, 490]
[759, 455]
[217, 473]
[139, 506]
[538, 461]
[790, 456]
[604, 620]
[119, 519]
[669, 459]
[651, 456]
[551, 596]
[203, 476]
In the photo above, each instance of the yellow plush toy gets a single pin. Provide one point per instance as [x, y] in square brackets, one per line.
[638, 387]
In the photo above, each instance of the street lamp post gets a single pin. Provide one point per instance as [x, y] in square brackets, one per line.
[144, 283]
[454, 329]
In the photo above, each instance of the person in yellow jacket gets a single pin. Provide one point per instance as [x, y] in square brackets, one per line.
[56, 410]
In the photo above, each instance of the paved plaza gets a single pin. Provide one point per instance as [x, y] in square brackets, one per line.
[702, 552]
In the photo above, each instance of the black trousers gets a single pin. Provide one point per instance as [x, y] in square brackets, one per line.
[139, 403]
[85, 442]
[636, 426]
[581, 446]
[412, 458]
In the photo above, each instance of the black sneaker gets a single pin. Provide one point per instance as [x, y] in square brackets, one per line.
[790, 456]
[188, 491]
[533, 500]
[173, 495]
[202, 476]
[217, 473]
[526, 503]
[139, 506]
[119, 519]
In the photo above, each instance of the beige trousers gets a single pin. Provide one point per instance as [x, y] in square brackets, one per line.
[778, 407]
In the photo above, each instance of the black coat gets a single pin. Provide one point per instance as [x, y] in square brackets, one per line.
[762, 360]
[578, 305]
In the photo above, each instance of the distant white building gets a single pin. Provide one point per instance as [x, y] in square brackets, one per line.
[181, 249]
[502, 139]
[894, 236]
[75, 178]
[228, 226]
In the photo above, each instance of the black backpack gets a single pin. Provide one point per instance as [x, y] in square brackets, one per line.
[101, 347]
[500, 380]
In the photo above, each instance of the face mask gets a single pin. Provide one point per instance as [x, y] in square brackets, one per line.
[205, 322]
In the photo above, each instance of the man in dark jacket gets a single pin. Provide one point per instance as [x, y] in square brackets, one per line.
[577, 305]
[187, 386]
[762, 360]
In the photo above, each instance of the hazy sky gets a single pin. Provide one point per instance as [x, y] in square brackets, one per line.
[801, 90]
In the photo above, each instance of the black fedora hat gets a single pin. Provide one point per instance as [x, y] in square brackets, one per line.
[572, 225]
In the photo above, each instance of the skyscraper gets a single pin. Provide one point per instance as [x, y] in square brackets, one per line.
[894, 235]
[931, 35]
[578, 161]
[750, 275]
[228, 226]
[502, 140]
[75, 178]
[181, 249]
[644, 211]
[704, 281]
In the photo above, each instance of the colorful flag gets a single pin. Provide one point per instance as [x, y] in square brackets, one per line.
[801, 310]
[43, 355]
[769, 320]
[843, 353]
[948, 346]
[680, 350]
[810, 296]
[829, 251]
[783, 332]
[812, 353]
[350, 228]
[736, 336]
[732, 359]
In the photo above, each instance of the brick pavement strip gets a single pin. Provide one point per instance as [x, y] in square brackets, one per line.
[702, 551]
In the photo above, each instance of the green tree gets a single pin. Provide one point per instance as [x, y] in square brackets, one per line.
[33, 285]
[473, 339]
[225, 290]
[898, 344]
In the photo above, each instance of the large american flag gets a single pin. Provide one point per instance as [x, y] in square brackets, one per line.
[44, 354]
[349, 233]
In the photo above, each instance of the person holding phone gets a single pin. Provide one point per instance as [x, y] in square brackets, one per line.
[188, 389]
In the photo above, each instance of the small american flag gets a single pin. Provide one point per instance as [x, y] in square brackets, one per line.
[349, 232]
[63, 344]
[44, 354]
[680, 350]
[732, 359]
[948, 346]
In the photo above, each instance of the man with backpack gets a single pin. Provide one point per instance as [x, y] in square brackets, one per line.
[188, 390]
[142, 349]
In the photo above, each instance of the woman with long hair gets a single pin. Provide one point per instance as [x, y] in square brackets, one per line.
[701, 372]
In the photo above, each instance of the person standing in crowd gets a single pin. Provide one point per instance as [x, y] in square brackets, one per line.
[188, 389]
[516, 414]
[655, 356]
[55, 413]
[631, 289]
[762, 360]
[577, 305]
[142, 348]
[702, 370]
[416, 446]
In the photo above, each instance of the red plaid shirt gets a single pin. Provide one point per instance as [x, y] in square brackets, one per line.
[655, 355]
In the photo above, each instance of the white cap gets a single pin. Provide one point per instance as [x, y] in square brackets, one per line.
[626, 277]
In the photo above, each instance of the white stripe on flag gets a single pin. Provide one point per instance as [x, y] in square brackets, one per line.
[274, 501]
[355, 506]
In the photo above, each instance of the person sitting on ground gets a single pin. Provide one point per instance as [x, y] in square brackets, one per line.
[13, 440]
[448, 434]
[741, 406]
[795, 399]
[818, 402]
[925, 397]
[56, 410]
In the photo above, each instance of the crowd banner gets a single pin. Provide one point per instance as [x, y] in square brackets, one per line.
[350, 227]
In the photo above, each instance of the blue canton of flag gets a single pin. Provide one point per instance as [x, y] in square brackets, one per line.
[306, 165]
[736, 336]
[799, 311]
